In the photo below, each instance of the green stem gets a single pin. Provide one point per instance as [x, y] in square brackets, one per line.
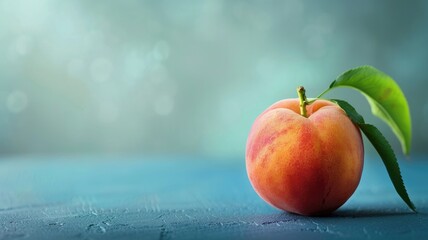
[309, 102]
[303, 101]
[326, 91]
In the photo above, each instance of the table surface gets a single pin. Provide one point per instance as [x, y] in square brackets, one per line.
[189, 198]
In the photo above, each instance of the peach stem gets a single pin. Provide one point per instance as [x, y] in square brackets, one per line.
[303, 101]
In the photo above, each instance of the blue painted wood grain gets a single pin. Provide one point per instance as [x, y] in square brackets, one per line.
[188, 198]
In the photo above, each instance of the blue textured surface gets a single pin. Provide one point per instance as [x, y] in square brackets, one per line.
[188, 198]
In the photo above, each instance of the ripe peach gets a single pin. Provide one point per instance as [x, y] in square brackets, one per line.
[307, 165]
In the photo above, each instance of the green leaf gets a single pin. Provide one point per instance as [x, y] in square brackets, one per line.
[385, 97]
[382, 146]
[387, 154]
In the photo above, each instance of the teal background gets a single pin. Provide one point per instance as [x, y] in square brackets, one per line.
[190, 77]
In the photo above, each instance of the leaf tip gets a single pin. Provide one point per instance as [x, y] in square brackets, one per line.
[412, 207]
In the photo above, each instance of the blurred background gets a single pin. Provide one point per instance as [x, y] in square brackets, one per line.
[190, 77]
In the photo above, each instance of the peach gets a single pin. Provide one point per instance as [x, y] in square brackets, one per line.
[309, 165]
